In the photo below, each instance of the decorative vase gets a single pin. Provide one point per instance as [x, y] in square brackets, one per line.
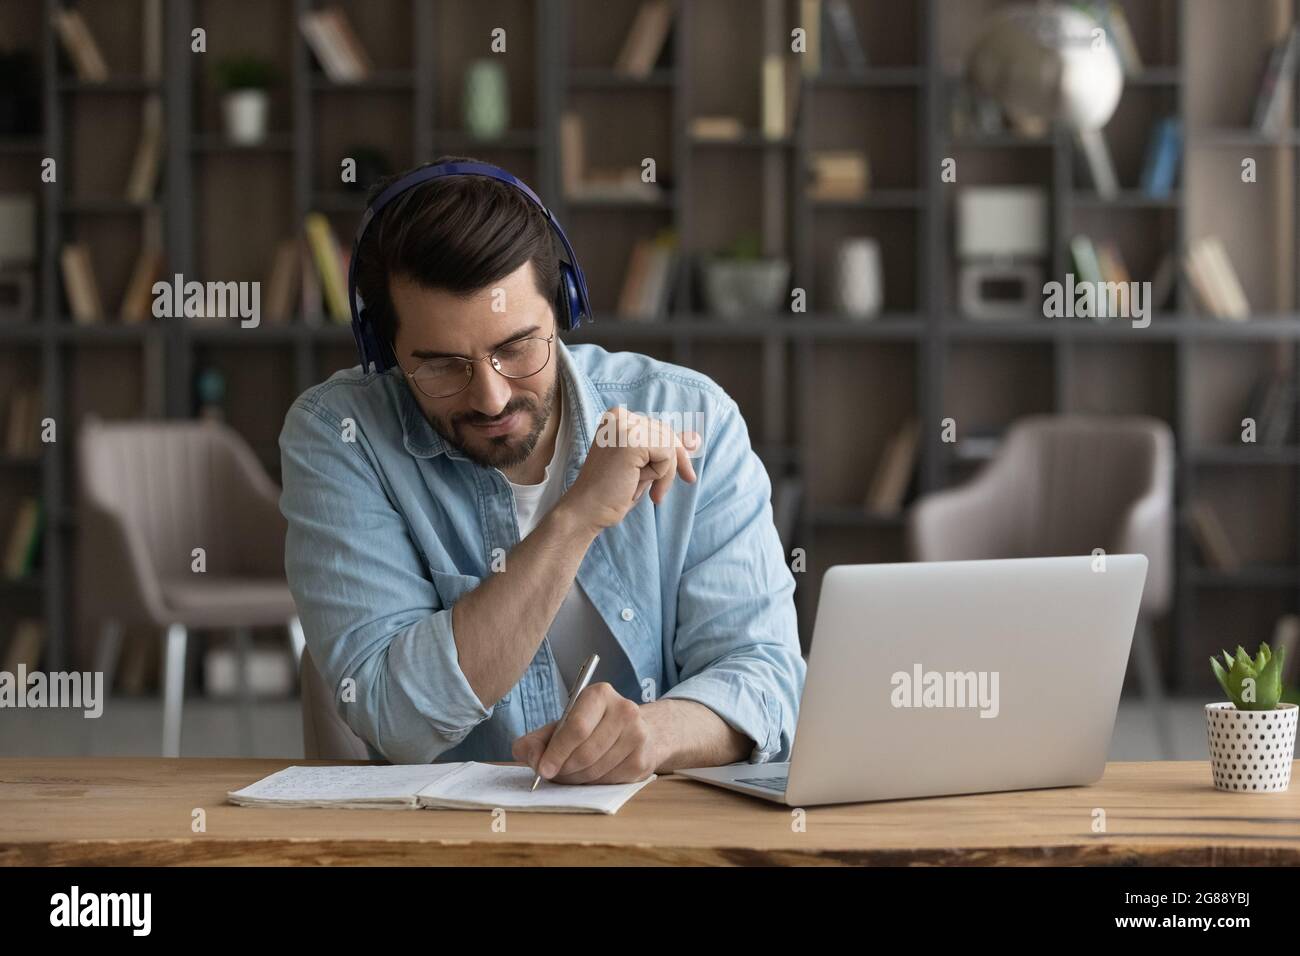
[245, 113]
[1251, 750]
[737, 288]
[859, 278]
[487, 100]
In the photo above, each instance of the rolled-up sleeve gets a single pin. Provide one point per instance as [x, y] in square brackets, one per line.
[368, 608]
[737, 642]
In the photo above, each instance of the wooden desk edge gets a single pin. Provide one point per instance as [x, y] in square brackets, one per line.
[341, 852]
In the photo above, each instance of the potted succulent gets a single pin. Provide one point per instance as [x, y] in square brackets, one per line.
[244, 81]
[738, 282]
[1251, 735]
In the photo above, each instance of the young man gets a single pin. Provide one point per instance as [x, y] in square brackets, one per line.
[466, 528]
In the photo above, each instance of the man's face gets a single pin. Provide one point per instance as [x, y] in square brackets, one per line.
[495, 421]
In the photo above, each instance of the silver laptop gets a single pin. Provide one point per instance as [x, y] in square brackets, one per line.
[956, 677]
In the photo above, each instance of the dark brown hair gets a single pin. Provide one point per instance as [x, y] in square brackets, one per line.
[458, 234]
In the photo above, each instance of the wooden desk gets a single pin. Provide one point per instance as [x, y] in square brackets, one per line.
[124, 811]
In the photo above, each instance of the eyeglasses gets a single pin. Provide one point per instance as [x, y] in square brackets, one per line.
[444, 377]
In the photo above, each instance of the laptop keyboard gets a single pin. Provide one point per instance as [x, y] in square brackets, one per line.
[775, 784]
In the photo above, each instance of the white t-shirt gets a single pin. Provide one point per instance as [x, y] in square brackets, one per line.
[578, 629]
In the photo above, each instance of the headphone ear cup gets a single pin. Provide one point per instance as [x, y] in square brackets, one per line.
[569, 306]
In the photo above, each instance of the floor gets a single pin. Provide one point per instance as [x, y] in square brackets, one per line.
[130, 727]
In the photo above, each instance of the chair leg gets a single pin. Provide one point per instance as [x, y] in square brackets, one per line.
[243, 642]
[109, 651]
[1144, 655]
[296, 640]
[173, 688]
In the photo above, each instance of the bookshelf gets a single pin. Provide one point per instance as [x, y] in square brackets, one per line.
[822, 395]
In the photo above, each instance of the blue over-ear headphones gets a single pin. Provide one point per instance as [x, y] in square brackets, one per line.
[571, 302]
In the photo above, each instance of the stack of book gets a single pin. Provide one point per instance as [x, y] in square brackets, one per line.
[22, 429]
[1214, 281]
[336, 45]
[838, 174]
[648, 283]
[646, 39]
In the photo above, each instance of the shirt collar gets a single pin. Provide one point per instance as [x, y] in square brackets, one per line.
[422, 441]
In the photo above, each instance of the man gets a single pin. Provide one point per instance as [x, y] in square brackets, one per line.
[466, 528]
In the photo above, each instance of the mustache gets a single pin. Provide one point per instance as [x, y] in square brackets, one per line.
[475, 418]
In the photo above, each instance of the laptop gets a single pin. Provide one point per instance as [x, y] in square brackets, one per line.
[956, 677]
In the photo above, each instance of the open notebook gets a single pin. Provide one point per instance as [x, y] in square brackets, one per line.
[464, 786]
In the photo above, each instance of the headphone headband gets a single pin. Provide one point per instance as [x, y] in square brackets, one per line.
[573, 284]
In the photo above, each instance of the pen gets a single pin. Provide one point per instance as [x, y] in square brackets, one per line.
[584, 678]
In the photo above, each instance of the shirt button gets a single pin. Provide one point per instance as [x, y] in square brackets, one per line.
[626, 614]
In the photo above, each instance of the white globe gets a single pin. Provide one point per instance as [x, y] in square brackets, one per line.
[1045, 63]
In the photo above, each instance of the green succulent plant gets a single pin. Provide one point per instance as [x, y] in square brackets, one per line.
[1251, 684]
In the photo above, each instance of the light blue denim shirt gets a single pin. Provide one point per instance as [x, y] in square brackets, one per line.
[389, 525]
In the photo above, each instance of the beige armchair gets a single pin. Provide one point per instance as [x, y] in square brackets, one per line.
[1068, 485]
[152, 493]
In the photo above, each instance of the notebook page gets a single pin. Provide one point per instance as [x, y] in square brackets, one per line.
[481, 786]
[351, 786]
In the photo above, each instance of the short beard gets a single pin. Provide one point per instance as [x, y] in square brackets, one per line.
[502, 451]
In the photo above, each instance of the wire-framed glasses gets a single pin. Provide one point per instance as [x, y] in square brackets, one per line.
[444, 377]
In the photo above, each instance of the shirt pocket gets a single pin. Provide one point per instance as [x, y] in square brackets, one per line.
[451, 588]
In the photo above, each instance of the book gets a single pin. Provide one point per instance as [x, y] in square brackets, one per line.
[773, 92]
[24, 539]
[335, 45]
[1111, 262]
[810, 18]
[23, 434]
[79, 284]
[24, 646]
[1086, 266]
[894, 471]
[573, 153]
[839, 19]
[1164, 153]
[79, 43]
[325, 254]
[1198, 277]
[1224, 279]
[839, 174]
[1097, 160]
[457, 786]
[137, 300]
[645, 38]
[1276, 85]
[1286, 635]
[717, 128]
[1217, 550]
[282, 284]
[142, 182]
[1162, 283]
[649, 278]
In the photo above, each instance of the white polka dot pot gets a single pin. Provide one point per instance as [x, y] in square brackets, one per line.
[1251, 750]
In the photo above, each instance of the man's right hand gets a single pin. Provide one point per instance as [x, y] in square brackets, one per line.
[631, 453]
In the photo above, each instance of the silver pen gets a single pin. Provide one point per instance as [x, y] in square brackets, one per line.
[584, 678]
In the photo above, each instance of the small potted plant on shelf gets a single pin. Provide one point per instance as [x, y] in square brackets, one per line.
[1251, 735]
[244, 81]
[739, 282]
